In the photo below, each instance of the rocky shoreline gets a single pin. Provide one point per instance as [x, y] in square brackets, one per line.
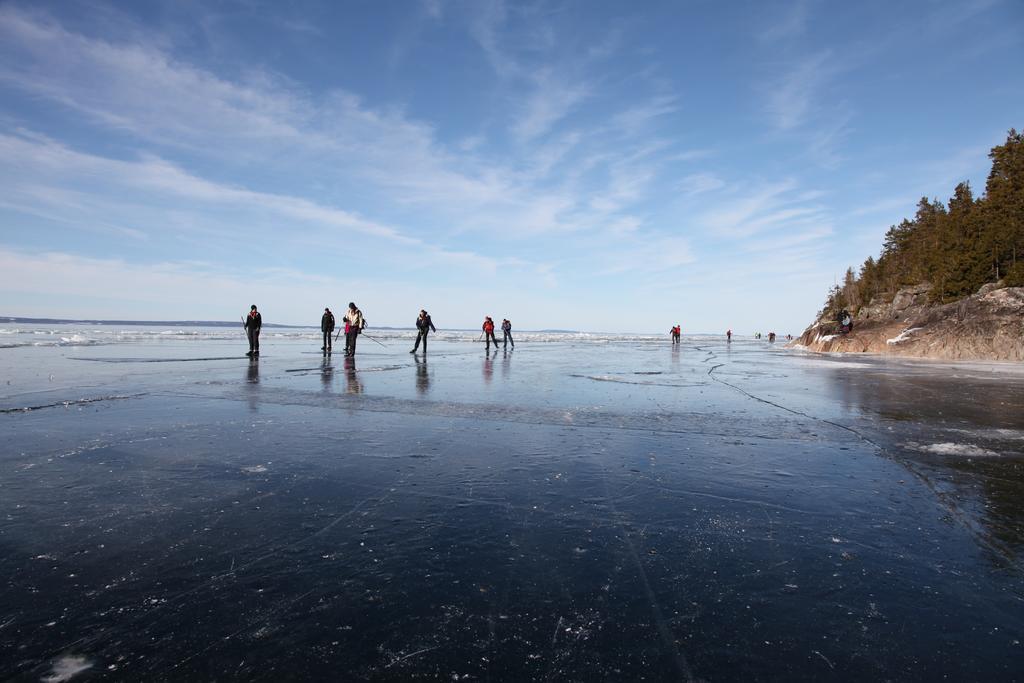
[988, 325]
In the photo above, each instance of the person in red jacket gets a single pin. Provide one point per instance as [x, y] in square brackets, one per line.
[488, 328]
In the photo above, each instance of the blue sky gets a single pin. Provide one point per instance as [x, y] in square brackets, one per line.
[587, 165]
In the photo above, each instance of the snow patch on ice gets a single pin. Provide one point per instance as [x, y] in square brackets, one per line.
[1011, 434]
[962, 449]
[65, 668]
[255, 469]
[902, 336]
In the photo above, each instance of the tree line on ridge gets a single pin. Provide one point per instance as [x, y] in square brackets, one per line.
[954, 248]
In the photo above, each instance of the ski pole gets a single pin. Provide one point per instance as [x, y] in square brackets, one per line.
[372, 339]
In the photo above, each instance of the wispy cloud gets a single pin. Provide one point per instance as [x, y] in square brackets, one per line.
[789, 21]
[551, 101]
[752, 210]
[48, 160]
[698, 183]
[792, 97]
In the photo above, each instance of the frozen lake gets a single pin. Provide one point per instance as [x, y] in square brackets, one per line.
[581, 508]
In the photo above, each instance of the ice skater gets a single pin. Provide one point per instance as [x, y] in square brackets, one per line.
[424, 325]
[488, 328]
[327, 327]
[728, 336]
[252, 326]
[354, 324]
[675, 332]
[506, 330]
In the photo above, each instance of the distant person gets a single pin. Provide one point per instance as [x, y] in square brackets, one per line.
[488, 328]
[327, 327]
[252, 326]
[845, 322]
[506, 330]
[676, 331]
[424, 325]
[354, 324]
[771, 337]
[728, 336]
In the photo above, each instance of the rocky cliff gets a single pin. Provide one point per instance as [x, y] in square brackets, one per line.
[988, 325]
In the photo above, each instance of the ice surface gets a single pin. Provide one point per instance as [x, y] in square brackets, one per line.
[583, 507]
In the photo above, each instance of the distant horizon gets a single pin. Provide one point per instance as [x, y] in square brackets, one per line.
[228, 323]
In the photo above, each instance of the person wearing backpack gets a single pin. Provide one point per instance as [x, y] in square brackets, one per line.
[506, 329]
[488, 328]
[354, 324]
[424, 325]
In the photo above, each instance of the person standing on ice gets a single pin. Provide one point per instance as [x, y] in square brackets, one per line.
[327, 327]
[728, 335]
[506, 330]
[424, 325]
[488, 328]
[675, 332]
[354, 324]
[252, 325]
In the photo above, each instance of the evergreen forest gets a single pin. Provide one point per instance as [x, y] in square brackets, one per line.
[954, 248]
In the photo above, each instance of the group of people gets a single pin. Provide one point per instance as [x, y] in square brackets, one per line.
[771, 336]
[488, 335]
[676, 331]
[353, 319]
[354, 324]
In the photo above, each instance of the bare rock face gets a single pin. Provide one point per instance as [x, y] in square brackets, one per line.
[988, 325]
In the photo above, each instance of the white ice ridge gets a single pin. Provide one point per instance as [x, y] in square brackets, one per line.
[827, 337]
[67, 667]
[963, 449]
[902, 336]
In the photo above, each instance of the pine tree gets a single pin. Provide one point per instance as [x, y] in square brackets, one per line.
[1004, 207]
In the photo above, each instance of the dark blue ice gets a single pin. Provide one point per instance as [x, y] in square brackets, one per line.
[580, 508]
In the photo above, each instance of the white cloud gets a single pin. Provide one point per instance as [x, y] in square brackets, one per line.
[173, 106]
[637, 117]
[551, 101]
[793, 97]
[789, 21]
[171, 183]
[698, 183]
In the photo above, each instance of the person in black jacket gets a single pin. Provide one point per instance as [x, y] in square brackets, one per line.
[424, 326]
[327, 327]
[252, 330]
[506, 328]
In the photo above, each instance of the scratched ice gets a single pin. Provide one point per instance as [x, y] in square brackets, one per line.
[578, 508]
